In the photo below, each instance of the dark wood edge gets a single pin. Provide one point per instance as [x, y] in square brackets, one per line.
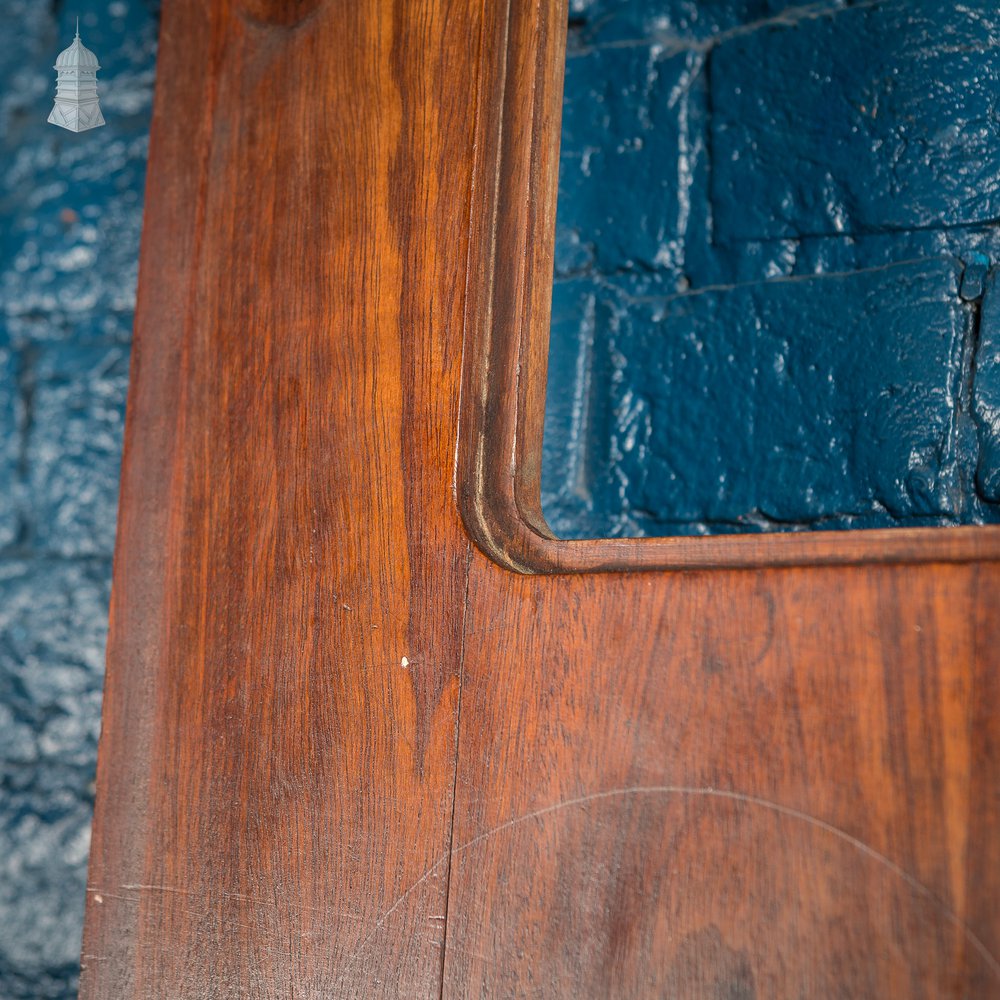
[512, 224]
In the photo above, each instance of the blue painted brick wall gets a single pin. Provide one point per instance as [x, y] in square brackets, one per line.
[70, 213]
[775, 221]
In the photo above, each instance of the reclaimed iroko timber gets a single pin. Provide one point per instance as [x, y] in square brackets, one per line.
[369, 731]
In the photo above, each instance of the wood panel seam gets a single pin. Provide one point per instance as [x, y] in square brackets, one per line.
[454, 788]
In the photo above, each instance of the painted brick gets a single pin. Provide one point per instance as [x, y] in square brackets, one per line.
[676, 22]
[52, 630]
[986, 396]
[786, 402]
[879, 117]
[89, 328]
[44, 842]
[52, 633]
[74, 447]
[10, 446]
[728, 190]
[622, 154]
[633, 169]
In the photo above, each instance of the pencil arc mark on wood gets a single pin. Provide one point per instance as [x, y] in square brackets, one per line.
[711, 793]
[750, 800]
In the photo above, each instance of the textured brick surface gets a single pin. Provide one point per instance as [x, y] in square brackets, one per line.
[10, 446]
[678, 22]
[709, 410]
[986, 402]
[882, 117]
[52, 630]
[773, 237]
[70, 213]
[629, 177]
[73, 447]
[44, 839]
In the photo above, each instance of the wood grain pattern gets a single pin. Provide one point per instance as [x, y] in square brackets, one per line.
[728, 784]
[347, 752]
[273, 782]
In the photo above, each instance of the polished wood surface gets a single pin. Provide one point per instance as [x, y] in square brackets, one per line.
[736, 784]
[277, 764]
[347, 750]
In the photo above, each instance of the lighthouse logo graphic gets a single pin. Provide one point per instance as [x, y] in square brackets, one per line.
[76, 106]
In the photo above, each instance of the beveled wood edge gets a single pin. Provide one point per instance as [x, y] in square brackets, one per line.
[505, 355]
